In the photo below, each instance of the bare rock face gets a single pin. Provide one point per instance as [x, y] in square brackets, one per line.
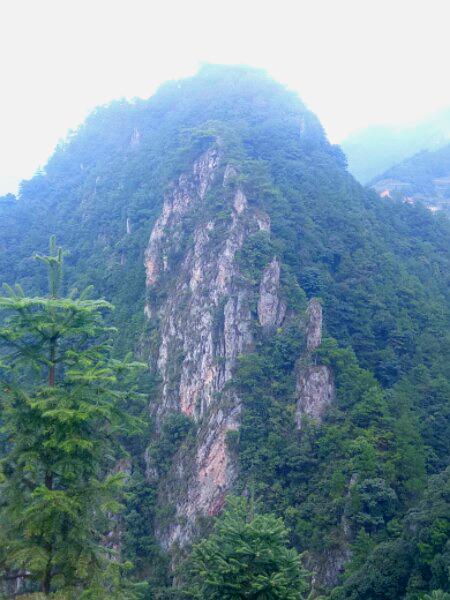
[179, 201]
[201, 308]
[271, 309]
[315, 393]
[200, 478]
[315, 384]
[313, 325]
[328, 568]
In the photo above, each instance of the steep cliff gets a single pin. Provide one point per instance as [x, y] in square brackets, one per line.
[271, 308]
[206, 315]
[204, 322]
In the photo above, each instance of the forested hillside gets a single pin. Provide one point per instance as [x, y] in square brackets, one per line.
[378, 148]
[424, 178]
[296, 332]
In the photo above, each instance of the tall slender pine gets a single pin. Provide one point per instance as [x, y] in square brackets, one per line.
[62, 397]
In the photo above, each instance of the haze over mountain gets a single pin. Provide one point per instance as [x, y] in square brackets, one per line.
[66, 58]
[372, 151]
[424, 178]
[295, 331]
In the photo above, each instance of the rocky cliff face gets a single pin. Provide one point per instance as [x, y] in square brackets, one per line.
[315, 384]
[313, 325]
[271, 308]
[315, 389]
[205, 315]
[201, 307]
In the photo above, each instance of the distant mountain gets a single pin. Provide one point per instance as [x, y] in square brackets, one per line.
[373, 150]
[425, 178]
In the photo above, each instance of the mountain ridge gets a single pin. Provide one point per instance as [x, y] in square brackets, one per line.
[213, 216]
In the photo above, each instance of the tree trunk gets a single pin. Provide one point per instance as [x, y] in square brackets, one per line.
[51, 375]
[47, 581]
[48, 481]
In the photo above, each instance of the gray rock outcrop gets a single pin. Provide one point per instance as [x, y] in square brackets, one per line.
[271, 309]
[315, 393]
[313, 325]
[315, 383]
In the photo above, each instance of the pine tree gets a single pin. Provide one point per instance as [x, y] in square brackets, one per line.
[246, 556]
[62, 396]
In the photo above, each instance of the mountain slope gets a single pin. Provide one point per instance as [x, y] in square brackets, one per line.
[377, 148]
[423, 178]
[214, 215]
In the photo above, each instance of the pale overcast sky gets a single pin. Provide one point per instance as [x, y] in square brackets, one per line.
[354, 62]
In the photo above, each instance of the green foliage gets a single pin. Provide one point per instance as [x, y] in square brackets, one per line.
[378, 458]
[62, 412]
[174, 430]
[245, 557]
[436, 595]
[255, 254]
[416, 561]
[265, 381]
[373, 504]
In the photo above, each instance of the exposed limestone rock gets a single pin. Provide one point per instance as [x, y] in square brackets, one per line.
[187, 322]
[263, 221]
[204, 322]
[271, 309]
[230, 174]
[177, 203]
[345, 522]
[240, 201]
[315, 383]
[199, 481]
[313, 325]
[329, 566]
[201, 307]
[315, 389]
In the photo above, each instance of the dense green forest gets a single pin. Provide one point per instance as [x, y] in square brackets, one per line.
[366, 493]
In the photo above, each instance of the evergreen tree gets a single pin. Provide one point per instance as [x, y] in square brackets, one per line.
[62, 398]
[246, 557]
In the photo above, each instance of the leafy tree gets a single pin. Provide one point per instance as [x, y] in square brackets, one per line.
[373, 503]
[415, 562]
[436, 595]
[246, 557]
[62, 397]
